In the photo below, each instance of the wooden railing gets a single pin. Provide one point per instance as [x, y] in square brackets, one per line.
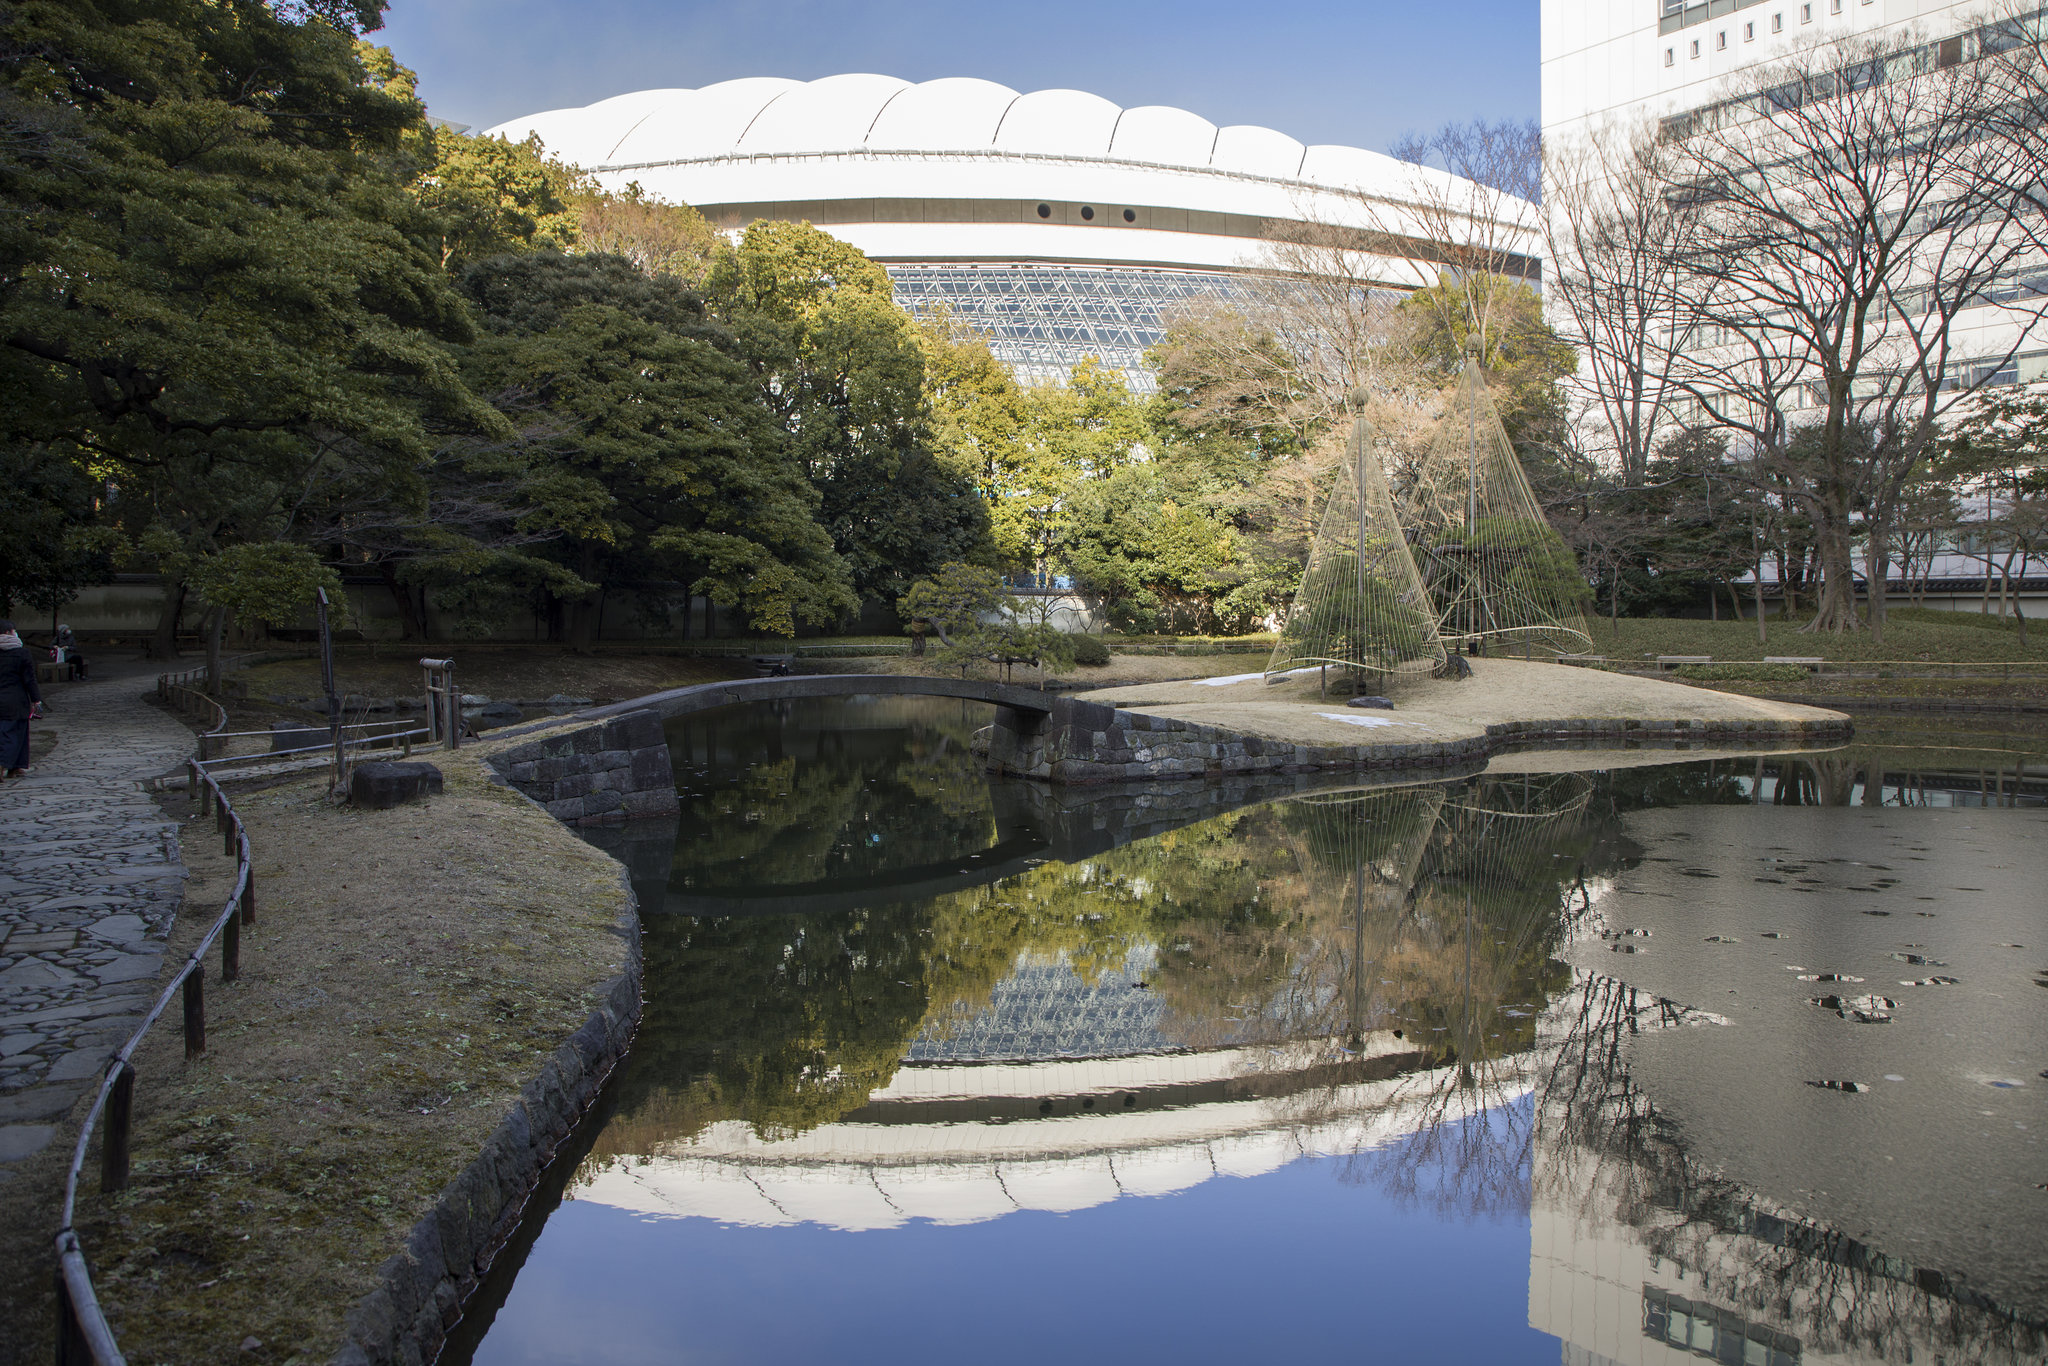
[175, 691]
[83, 1334]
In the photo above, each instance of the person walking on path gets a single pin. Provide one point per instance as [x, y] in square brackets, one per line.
[21, 701]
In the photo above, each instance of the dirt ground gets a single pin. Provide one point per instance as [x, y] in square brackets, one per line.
[1427, 709]
[409, 970]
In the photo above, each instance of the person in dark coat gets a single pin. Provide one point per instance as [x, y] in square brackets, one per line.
[65, 651]
[21, 701]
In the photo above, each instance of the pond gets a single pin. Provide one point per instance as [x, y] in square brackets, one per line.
[1738, 1058]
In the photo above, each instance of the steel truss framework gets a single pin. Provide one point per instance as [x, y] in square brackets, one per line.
[1043, 320]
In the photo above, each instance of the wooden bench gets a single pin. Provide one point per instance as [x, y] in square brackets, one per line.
[47, 672]
[1674, 661]
[771, 666]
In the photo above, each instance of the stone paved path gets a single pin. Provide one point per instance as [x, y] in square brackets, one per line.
[90, 879]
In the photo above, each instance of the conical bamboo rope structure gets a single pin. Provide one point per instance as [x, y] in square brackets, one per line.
[1492, 563]
[1362, 605]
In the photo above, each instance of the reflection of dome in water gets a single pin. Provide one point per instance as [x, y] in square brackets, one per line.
[1045, 1009]
[923, 1163]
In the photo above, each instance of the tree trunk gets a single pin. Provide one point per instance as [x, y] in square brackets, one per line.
[1835, 609]
[2019, 615]
[582, 618]
[410, 626]
[1763, 636]
[1877, 564]
[216, 625]
[164, 643]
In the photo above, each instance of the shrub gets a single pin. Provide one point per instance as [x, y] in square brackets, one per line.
[1090, 651]
[1743, 673]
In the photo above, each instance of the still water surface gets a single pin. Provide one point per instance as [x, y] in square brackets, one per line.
[1737, 1060]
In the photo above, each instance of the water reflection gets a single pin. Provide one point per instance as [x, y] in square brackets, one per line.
[1561, 1005]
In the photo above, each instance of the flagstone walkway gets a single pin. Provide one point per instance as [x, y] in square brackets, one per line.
[90, 879]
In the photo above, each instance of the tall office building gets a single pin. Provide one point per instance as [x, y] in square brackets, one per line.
[1670, 65]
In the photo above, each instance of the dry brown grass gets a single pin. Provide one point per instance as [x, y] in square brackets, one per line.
[408, 972]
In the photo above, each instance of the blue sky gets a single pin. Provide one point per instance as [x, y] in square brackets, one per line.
[1361, 73]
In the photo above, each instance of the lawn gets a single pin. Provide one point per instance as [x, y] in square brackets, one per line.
[1911, 634]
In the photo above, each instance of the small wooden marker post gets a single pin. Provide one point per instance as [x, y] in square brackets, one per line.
[195, 1011]
[114, 1146]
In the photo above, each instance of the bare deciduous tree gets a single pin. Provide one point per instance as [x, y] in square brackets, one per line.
[1611, 249]
[1841, 211]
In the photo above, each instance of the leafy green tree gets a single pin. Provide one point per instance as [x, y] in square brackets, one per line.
[840, 367]
[2001, 447]
[216, 287]
[648, 453]
[661, 239]
[1524, 357]
[267, 583]
[203, 248]
[52, 542]
[492, 195]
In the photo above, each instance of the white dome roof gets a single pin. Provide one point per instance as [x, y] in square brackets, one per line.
[863, 112]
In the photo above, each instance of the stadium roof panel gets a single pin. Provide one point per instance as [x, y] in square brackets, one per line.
[863, 112]
[959, 111]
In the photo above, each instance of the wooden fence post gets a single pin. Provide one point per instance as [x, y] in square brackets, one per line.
[114, 1144]
[231, 950]
[249, 897]
[195, 1011]
[71, 1348]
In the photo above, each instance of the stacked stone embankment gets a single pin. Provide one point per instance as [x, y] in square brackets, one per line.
[1088, 743]
[604, 773]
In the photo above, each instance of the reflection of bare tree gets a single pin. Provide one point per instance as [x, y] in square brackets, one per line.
[1428, 916]
[1608, 1161]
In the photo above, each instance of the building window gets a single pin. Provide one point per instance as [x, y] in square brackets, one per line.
[1045, 210]
[1834, 6]
[1087, 213]
[1806, 14]
[1749, 33]
[1130, 215]
[1695, 48]
[1669, 56]
[1721, 41]
[1777, 23]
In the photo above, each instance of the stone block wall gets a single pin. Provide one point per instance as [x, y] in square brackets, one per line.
[605, 773]
[1089, 743]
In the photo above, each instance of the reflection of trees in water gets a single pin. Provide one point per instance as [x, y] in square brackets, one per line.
[1610, 1157]
[858, 798]
[1455, 942]
[1301, 925]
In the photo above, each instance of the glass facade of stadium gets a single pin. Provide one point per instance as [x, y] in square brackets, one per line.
[1042, 320]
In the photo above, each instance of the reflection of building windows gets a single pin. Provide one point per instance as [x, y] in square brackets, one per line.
[1716, 1334]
